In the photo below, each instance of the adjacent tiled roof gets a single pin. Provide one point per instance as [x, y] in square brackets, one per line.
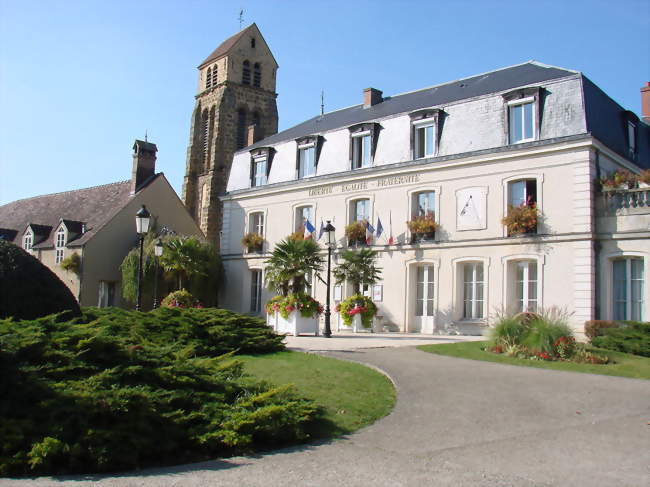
[482, 84]
[225, 46]
[93, 207]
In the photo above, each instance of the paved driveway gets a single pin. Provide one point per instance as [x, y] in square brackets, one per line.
[457, 423]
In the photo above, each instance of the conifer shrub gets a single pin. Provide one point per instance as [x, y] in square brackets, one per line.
[594, 328]
[631, 337]
[28, 289]
[114, 390]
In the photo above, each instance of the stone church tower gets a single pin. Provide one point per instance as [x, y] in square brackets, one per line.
[235, 107]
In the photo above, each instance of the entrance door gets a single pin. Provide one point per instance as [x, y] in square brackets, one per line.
[424, 286]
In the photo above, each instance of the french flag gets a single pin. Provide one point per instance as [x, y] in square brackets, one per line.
[309, 229]
[369, 231]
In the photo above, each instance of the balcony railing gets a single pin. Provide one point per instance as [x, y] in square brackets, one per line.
[623, 199]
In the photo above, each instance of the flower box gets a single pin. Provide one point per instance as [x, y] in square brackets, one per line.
[295, 324]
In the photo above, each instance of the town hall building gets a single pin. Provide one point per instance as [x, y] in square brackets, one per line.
[462, 155]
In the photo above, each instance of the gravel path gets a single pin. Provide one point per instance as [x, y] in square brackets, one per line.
[457, 423]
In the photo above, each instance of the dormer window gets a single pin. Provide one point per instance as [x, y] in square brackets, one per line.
[363, 140]
[307, 156]
[523, 114]
[28, 241]
[424, 132]
[60, 245]
[631, 139]
[260, 166]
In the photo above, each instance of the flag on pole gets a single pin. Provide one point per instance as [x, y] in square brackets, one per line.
[380, 228]
[322, 229]
[391, 240]
[309, 229]
[369, 231]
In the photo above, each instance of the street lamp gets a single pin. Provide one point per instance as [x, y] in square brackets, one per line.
[157, 250]
[331, 243]
[142, 227]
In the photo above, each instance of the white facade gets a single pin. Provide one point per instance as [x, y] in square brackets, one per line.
[470, 171]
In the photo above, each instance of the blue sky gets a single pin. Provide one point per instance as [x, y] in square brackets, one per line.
[80, 80]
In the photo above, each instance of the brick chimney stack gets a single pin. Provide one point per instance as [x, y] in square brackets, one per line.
[371, 96]
[253, 135]
[645, 102]
[144, 163]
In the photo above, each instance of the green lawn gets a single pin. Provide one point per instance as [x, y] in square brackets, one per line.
[625, 365]
[351, 394]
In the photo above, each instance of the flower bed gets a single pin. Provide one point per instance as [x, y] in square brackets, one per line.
[539, 337]
[357, 304]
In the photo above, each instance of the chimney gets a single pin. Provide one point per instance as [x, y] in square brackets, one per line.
[144, 163]
[253, 134]
[371, 96]
[645, 102]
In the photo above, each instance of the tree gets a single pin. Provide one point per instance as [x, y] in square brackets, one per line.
[183, 258]
[289, 263]
[358, 268]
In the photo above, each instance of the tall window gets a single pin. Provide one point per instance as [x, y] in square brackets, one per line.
[424, 140]
[361, 156]
[628, 289]
[360, 210]
[28, 241]
[306, 161]
[206, 133]
[303, 214]
[473, 290]
[257, 75]
[256, 223]
[425, 204]
[106, 294]
[246, 73]
[241, 128]
[60, 245]
[259, 171]
[424, 291]
[208, 79]
[526, 285]
[522, 192]
[256, 291]
[522, 121]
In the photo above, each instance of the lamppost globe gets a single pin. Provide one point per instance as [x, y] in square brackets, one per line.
[158, 248]
[142, 218]
[329, 230]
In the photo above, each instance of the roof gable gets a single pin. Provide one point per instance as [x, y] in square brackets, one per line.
[231, 43]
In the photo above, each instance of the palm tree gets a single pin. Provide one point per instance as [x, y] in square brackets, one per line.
[358, 268]
[184, 258]
[290, 261]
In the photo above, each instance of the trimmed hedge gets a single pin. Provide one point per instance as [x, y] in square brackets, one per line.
[631, 337]
[28, 289]
[595, 328]
[115, 390]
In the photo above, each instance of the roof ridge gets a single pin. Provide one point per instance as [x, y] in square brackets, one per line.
[69, 191]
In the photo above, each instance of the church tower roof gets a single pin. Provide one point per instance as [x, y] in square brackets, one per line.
[225, 47]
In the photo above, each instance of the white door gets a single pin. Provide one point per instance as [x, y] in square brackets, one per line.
[424, 293]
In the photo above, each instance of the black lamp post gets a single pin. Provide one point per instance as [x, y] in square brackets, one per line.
[142, 227]
[331, 242]
[157, 250]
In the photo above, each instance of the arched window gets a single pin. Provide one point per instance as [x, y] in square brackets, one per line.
[257, 75]
[214, 75]
[208, 79]
[241, 128]
[246, 73]
[253, 42]
[60, 245]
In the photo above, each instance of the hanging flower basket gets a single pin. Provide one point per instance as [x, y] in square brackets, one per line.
[521, 219]
[253, 242]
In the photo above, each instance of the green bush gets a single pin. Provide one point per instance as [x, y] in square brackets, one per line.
[631, 337]
[595, 328]
[114, 390]
[508, 331]
[180, 299]
[28, 289]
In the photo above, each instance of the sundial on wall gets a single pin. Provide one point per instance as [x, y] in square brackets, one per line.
[471, 208]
